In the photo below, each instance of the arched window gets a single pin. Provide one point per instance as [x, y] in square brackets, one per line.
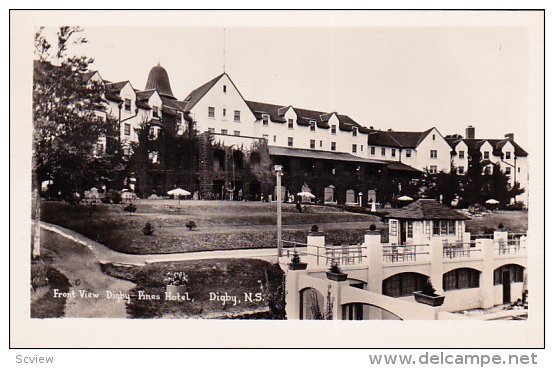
[403, 284]
[461, 278]
[516, 273]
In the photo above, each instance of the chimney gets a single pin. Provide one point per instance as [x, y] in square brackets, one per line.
[509, 136]
[470, 132]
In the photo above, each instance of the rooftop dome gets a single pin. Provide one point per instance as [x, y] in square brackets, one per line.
[158, 79]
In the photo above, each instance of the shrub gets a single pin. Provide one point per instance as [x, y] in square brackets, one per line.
[148, 229]
[372, 227]
[190, 225]
[500, 226]
[335, 268]
[176, 278]
[39, 278]
[295, 257]
[130, 208]
[315, 228]
[517, 206]
[428, 288]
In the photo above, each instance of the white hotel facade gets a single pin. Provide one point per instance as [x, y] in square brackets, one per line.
[219, 107]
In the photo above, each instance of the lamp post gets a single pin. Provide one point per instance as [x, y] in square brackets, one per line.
[278, 174]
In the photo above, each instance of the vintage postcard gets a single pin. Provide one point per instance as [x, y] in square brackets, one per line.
[184, 170]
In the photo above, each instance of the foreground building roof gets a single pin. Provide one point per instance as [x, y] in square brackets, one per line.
[427, 209]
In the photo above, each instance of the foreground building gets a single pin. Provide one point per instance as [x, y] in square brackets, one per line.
[426, 240]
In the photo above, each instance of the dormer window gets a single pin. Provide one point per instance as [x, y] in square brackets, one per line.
[155, 112]
[224, 88]
[333, 129]
[354, 131]
[486, 155]
[461, 155]
[265, 119]
[127, 104]
[508, 155]
[312, 126]
[291, 124]
[433, 137]
[408, 153]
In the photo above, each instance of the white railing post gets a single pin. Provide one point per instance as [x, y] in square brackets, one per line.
[486, 282]
[374, 253]
[315, 249]
[436, 256]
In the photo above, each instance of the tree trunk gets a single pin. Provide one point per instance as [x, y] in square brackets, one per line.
[35, 245]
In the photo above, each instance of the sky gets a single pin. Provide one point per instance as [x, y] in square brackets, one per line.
[403, 78]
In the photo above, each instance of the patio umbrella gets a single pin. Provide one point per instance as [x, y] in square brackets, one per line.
[306, 195]
[178, 192]
[492, 201]
[405, 198]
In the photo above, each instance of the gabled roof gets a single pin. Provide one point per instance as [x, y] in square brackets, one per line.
[427, 209]
[145, 95]
[474, 145]
[260, 108]
[409, 139]
[116, 87]
[195, 96]
[88, 75]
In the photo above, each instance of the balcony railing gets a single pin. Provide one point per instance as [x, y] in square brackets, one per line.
[404, 253]
[344, 254]
[510, 246]
[458, 250]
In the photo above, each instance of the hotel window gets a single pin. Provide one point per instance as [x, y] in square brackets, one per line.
[127, 104]
[460, 169]
[433, 153]
[237, 116]
[361, 147]
[444, 227]
[224, 112]
[236, 132]
[290, 142]
[433, 169]
[393, 152]
[127, 129]
[224, 88]
[461, 278]
[223, 131]
[393, 227]
[320, 143]
[461, 155]
[383, 151]
[410, 229]
[354, 148]
[333, 129]
[265, 119]
[312, 143]
[155, 112]
[312, 126]
[508, 155]
[372, 150]
[333, 146]
[211, 130]
[274, 138]
[354, 131]
[433, 137]
[516, 273]
[486, 155]
[403, 284]
[291, 124]
[519, 169]
[264, 136]
[409, 153]
[211, 112]
[508, 170]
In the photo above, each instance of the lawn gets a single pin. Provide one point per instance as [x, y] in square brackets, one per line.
[513, 221]
[220, 225]
[219, 276]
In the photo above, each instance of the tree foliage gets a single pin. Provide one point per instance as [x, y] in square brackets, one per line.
[68, 114]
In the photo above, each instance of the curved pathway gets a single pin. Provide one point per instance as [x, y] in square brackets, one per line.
[107, 255]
